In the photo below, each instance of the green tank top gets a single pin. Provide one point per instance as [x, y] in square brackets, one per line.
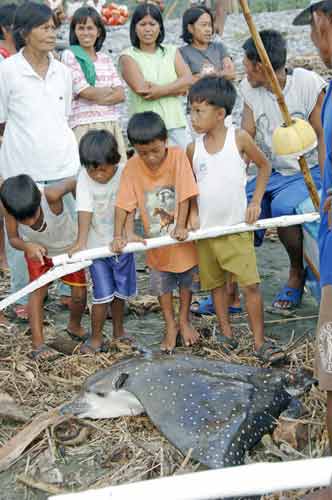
[158, 68]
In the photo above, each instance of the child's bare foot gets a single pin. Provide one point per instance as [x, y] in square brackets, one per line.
[188, 334]
[169, 341]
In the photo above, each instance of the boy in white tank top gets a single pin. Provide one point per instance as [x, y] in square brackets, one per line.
[39, 225]
[217, 161]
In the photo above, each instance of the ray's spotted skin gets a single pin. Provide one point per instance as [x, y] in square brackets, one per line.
[218, 409]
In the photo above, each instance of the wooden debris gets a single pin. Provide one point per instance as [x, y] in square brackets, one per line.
[293, 432]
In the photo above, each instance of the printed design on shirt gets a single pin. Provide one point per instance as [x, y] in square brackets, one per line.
[325, 346]
[160, 208]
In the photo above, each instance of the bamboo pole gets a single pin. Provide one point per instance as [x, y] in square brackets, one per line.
[275, 86]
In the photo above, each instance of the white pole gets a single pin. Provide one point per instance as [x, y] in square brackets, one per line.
[96, 253]
[83, 259]
[254, 479]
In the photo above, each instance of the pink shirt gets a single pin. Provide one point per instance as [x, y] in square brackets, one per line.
[84, 111]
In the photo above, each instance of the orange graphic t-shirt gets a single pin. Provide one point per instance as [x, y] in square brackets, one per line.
[157, 195]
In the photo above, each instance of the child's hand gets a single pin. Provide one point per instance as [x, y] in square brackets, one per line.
[77, 247]
[253, 212]
[34, 251]
[179, 234]
[118, 244]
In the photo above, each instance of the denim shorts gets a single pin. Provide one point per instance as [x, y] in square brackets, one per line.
[162, 282]
[113, 277]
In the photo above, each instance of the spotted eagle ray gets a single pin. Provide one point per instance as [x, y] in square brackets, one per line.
[219, 410]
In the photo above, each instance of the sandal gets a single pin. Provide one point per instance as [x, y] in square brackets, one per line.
[228, 343]
[206, 307]
[21, 312]
[269, 353]
[288, 294]
[88, 348]
[77, 338]
[44, 353]
[125, 339]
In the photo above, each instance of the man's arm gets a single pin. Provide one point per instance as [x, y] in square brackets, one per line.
[315, 122]
[248, 121]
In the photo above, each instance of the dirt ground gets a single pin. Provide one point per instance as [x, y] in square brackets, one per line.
[130, 448]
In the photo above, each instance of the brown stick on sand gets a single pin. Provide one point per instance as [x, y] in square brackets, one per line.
[279, 95]
[11, 451]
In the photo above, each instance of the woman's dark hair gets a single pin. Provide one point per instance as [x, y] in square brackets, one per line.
[7, 15]
[146, 9]
[81, 16]
[98, 147]
[146, 127]
[275, 46]
[214, 90]
[20, 196]
[28, 16]
[190, 16]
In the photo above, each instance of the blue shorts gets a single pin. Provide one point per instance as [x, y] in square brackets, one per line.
[325, 251]
[113, 277]
[282, 195]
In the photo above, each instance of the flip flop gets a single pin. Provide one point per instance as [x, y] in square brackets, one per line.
[126, 339]
[228, 343]
[77, 338]
[269, 353]
[21, 312]
[40, 354]
[87, 347]
[206, 307]
[288, 294]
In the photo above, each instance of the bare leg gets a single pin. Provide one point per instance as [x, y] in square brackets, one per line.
[117, 308]
[36, 315]
[78, 305]
[255, 309]
[171, 330]
[3, 257]
[233, 293]
[292, 240]
[221, 14]
[220, 301]
[98, 317]
[189, 335]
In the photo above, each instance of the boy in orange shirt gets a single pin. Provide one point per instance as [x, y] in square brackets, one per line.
[159, 182]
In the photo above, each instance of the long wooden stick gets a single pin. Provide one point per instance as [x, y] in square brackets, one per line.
[275, 86]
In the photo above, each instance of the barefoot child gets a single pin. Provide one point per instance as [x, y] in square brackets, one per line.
[159, 182]
[217, 160]
[113, 278]
[39, 224]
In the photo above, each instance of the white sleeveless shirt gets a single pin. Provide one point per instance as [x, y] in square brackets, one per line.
[60, 232]
[221, 179]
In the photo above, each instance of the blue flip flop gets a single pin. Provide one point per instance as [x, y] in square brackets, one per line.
[206, 307]
[288, 294]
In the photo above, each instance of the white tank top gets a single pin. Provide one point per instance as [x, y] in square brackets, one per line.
[221, 179]
[59, 234]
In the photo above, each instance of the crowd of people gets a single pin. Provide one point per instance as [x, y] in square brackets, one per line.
[68, 182]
